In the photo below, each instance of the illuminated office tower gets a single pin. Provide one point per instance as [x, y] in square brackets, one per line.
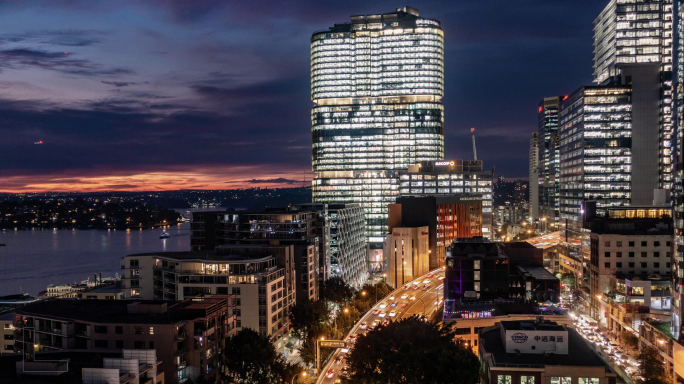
[629, 32]
[549, 161]
[376, 85]
[678, 160]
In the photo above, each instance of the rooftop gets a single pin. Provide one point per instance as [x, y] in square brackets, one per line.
[206, 255]
[99, 311]
[536, 272]
[543, 325]
[108, 288]
[580, 354]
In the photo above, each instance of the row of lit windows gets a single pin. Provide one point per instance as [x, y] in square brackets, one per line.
[386, 107]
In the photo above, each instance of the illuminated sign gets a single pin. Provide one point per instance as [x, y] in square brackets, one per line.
[438, 163]
[427, 22]
[333, 344]
[519, 337]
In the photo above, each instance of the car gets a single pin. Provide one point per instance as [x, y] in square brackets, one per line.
[404, 296]
[338, 380]
[351, 339]
[426, 281]
[377, 311]
[383, 314]
[345, 370]
[364, 325]
[338, 361]
[406, 287]
[394, 304]
[383, 304]
[412, 298]
[441, 278]
[393, 313]
[330, 374]
[426, 287]
[403, 304]
[375, 323]
[428, 275]
[391, 297]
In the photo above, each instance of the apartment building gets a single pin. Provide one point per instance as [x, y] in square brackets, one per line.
[305, 229]
[188, 336]
[623, 244]
[6, 332]
[260, 277]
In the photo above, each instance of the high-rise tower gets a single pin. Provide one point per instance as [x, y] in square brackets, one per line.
[376, 85]
[549, 160]
[628, 33]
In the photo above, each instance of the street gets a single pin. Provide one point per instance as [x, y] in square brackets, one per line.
[422, 296]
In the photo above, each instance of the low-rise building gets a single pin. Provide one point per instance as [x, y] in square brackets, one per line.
[261, 277]
[408, 251]
[540, 352]
[188, 336]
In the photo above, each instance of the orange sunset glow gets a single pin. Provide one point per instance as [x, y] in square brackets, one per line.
[228, 177]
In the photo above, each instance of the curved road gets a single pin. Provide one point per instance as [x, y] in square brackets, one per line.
[417, 300]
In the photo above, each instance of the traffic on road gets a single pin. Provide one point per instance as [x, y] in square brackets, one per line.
[421, 297]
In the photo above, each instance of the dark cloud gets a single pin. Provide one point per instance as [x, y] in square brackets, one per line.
[279, 180]
[118, 84]
[22, 58]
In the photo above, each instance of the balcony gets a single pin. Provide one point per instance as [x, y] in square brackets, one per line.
[180, 352]
[179, 337]
[181, 365]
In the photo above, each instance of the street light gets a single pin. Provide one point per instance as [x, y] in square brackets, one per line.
[293, 377]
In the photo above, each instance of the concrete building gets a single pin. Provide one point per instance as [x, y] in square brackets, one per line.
[305, 229]
[462, 178]
[6, 332]
[534, 176]
[376, 85]
[447, 218]
[548, 170]
[187, 335]
[261, 277]
[540, 352]
[409, 254]
[483, 271]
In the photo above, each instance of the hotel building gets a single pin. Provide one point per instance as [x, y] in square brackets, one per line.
[376, 85]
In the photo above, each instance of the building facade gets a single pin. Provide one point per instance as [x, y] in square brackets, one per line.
[540, 351]
[408, 252]
[460, 178]
[548, 171]
[534, 176]
[188, 336]
[305, 229]
[447, 218]
[627, 34]
[262, 278]
[347, 223]
[376, 86]
[6, 332]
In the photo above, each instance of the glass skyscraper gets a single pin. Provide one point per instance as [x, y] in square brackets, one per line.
[376, 85]
[548, 169]
[629, 32]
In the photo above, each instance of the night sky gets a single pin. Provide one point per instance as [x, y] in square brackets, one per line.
[214, 94]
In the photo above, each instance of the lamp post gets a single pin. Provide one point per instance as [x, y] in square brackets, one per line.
[295, 376]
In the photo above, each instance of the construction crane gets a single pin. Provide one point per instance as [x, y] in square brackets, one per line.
[472, 130]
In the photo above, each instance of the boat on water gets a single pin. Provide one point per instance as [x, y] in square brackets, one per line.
[164, 235]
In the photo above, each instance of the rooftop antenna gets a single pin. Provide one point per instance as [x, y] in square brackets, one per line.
[472, 130]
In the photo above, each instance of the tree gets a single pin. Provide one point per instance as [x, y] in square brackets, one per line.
[336, 290]
[629, 339]
[412, 351]
[651, 367]
[251, 358]
[308, 314]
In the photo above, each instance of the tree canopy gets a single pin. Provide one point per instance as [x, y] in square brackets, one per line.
[251, 358]
[412, 351]
[336, 290]
[651, 367]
